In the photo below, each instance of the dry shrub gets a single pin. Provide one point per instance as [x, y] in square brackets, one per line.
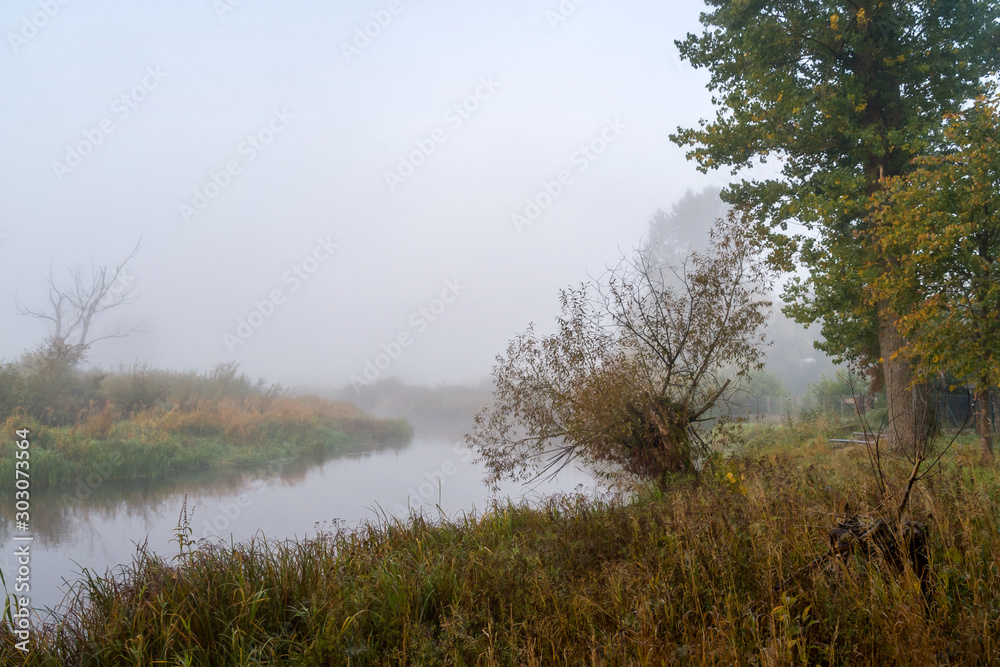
[98, 424]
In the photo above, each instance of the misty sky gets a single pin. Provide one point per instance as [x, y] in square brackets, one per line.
[256, 147]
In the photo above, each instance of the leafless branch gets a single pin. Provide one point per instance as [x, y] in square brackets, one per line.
[72, 309]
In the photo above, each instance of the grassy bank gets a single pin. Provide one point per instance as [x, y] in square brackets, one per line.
[222, 433]
[91, 425]
[697, 575]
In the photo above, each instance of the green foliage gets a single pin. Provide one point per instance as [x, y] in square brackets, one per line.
[183, 532]
[843, 386]
[766, 383]
[841, 95]
[942, 221]
[836, 398]
[11, 390]
[153, 447]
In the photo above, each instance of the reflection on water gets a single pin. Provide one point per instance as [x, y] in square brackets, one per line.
[59, 511]
[98, 526]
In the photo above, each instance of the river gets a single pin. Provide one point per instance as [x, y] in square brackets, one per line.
[98, 525]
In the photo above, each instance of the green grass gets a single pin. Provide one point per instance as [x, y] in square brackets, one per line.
[693, 575]
[216, 434]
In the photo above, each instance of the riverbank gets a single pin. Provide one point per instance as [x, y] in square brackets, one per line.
[213, 434]
[710, 572]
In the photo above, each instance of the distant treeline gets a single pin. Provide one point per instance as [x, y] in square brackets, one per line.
[446, 410]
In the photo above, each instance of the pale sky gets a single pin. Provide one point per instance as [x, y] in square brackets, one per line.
[263, 149]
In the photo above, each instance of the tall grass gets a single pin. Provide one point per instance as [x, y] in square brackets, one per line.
[694, 575]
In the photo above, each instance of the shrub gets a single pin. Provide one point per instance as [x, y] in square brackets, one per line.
[135, 388]
[56, 391]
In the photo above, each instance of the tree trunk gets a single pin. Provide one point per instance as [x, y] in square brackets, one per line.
[984, 425]
[909, 412]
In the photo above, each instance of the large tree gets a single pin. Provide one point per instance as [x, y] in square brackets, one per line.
[942, 222]
[843, 95]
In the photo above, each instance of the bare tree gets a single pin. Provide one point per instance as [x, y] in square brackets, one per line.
[72, 310]
[639, 361]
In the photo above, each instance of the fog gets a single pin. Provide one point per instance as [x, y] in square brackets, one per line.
[313, 184]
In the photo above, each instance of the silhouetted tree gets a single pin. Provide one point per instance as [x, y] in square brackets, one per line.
[72, 309]
[686, 227]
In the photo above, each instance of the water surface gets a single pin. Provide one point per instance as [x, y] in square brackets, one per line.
[97, 526]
